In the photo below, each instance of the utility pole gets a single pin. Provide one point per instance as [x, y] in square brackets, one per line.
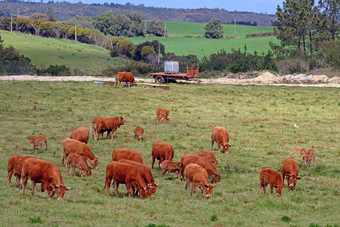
[164, 31]
[235, 27]
[17, 21]
[11, 23]
[75, 33]
[159, 52]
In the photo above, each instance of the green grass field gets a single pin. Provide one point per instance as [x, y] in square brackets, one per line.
[260, 123]
[77, 56]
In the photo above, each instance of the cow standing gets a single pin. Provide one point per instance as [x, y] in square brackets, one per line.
[161, 151]
[79, 161]
[139, 131]
[123, 153]
[14, 166]
[271, 177]
[169, 166]
[38, 140]
[290, 170]
[310, 155]
[109, 125]
[209, 155]
[82, 134]
[126, 77]
[220, 135]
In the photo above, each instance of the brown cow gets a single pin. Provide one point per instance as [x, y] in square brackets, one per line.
[82, 134]
[138, 132]
[75, 146]
[220, 135]
[161, 151]
[210, 155]
[43, 172]
[169, 166]
[79, 161]
[123, 173]
[126, 77]
[146, 174]
[298, 151]
[122, 153]
[310, 155]
[162, 115]
[290, 169]
[109, 125]
[271, 177]
[202, 161]
[38, 140]
[14, 166]
[198, 176]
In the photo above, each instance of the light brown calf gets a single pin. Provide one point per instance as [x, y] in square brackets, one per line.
[79, 161]
[139, 131]
[38, 140]
[271, 177]
[309, 157]
[169, 166]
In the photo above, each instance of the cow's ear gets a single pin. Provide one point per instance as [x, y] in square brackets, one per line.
[56, 185]
[67, 188]
[288, 174]
[299, 178]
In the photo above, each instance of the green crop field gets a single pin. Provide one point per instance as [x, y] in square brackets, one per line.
[78, 57]
[260, 122]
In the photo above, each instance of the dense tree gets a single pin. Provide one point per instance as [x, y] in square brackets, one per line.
[332, 9]
[82, 22]
[50, 16]
[214, 29]
[39, 16]
[155, 27]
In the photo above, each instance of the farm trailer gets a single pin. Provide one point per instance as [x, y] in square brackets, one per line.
[162, 77]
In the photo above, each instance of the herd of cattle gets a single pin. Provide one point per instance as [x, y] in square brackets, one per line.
[127, 166]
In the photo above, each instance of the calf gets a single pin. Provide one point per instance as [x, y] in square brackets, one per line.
[146, 174]
[209, 155]
[290, 169]
[198, 176]
[122, 173]
[302, 151]
[75, 146]
[122, 153]
[109, 125]
[79, 161]
[138, 132]
[43, 172]
[161, 151]
[38, 140]
[126, 77]
[202, 161]
[169, 166]
[82, 134]
[162, 115]
[310, 155]
[14, 165]
[271, 177]
[220, 135]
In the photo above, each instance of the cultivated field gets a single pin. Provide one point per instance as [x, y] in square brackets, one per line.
[260, 121]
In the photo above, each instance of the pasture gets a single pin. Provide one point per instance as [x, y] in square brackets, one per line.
[260, 122]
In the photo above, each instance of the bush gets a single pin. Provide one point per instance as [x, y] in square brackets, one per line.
[58, 70]
[137, 68]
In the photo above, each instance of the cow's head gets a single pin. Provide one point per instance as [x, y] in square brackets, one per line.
[60, 190]
[152, 189]
[226, 148]
[94, 163]
[143, 192]
[121, 121]
[216, 178]
[88, 172]
[303, 151]
[214, 161]
[292, 179]
[208, 190]
[279, 189]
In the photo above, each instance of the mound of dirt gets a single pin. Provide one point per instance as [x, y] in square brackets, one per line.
[335, 80]
[319, 79]
[267, 78]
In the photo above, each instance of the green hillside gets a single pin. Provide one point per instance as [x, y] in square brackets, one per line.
[47, 51]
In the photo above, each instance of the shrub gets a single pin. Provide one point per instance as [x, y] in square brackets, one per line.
[58, 70]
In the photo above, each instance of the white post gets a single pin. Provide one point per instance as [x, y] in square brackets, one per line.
[75, 33]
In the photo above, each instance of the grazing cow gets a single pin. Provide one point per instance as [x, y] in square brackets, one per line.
[126, 77]
[138, 132]
[14, 166]
[38, 140]
[198, 176]
[161, 151]
[290, 169]
[271, 177]
[122, 153]
[109, 125]
[79, 161]
[123, 173]
[169, 166]
[202, 161]
[75, 146]
[220, 135]
[310, 155]
[146, 174]
[43, 172]
[82, 134]
[162, 115]
[210, 155]
[297, 151]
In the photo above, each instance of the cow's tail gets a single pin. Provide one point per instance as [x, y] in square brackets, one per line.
[94, 129]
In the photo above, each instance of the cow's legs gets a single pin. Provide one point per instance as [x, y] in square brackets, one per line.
[153, 161]
[18, 181]
[74, 170]
[23, 184]
[9, 177]
[115, 185]
[212, 144]
[33, 187]
[271, 188]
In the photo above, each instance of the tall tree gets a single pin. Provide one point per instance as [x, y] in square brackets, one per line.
[332, 10]
[214, 29]
[155, 27]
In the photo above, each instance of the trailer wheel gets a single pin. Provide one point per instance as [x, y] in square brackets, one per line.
[159, 80]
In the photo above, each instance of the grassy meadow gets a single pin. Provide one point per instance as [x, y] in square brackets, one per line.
[260, 123]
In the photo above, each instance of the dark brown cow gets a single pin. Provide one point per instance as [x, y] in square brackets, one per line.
[161, 151]
[126, 77]
[122, 153]
[79, 161]
[14, 166]
[82, 134]
[162, 115]
[202, 161]
[309, 157]
[220, 135]
[210, 155]
[169, 166]
[139, 131]
[290, 170]
[109, 125]
[74, 146]
[43, 172]
[198, 176]
[271, 177]
[38, 140]
[146, 174]
[123, 173]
